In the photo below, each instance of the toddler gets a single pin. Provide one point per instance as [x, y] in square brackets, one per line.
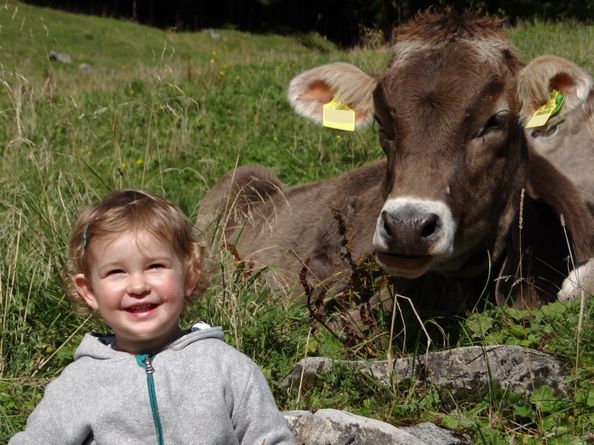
[132, 259]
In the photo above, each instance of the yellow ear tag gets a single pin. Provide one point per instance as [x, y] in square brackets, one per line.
[544, 113]
[338, 115]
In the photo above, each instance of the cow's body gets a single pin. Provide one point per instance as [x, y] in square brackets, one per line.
[257, 229]
[460, 195]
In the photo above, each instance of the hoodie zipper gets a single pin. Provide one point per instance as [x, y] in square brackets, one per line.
[145, 362]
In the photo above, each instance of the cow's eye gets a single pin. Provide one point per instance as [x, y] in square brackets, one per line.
[497, 122]
[384, 134]
[546, 132]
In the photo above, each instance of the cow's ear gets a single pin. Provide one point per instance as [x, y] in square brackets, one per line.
[310, 90]
[546, 73]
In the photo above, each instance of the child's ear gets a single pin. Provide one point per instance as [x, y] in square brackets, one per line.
[84, 289]
[193, 273]
[190, 284]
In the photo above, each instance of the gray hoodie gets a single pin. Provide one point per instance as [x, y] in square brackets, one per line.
[205, 392]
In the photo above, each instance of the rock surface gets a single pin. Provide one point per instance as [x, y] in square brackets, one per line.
[59, 57]
[464, 373]
[334, 427]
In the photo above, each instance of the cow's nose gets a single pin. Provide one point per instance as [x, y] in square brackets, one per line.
[411, 233]
[414, 227]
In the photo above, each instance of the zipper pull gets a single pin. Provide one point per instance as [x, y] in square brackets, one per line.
[149, 365]
[145, 362]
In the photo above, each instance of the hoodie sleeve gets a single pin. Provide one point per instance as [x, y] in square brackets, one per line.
[57, 419]
[257, 419]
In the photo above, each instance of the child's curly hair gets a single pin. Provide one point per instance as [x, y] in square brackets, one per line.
[136, 211]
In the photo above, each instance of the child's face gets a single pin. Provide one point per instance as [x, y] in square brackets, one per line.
[138, 284]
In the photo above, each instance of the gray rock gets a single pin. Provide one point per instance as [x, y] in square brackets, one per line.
[465, 373]
[471, 370]
[59, 57]
[334, 427]
[431, 433]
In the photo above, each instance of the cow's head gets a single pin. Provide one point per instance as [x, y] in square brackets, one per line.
[567, 138]
[447, 113]
[536, 81]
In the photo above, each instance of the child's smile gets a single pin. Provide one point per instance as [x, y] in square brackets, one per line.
[141, 308]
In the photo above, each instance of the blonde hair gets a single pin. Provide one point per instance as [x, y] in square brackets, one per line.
[136, 211]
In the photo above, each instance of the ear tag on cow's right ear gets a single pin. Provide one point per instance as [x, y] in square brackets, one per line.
[544, 113]
[338, 115]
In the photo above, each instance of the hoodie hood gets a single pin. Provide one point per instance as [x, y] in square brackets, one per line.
[98, 346]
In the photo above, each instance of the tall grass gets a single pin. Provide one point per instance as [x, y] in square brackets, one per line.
[171, 112]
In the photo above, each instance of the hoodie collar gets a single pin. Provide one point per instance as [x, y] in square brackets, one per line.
[98, 346]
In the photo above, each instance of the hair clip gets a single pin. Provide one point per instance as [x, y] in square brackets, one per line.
[85, 237]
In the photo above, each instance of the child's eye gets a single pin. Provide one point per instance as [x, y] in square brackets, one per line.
[156, 266]
[114, 272]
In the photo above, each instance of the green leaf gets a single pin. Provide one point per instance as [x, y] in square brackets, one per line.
[544, 399]
[518, 330]
[312, 346]
[330, 347]
[525, 411]
[431, 400]
[457, 423]
[479, 324]
[552, 309]
[496, 338]
[516, 314]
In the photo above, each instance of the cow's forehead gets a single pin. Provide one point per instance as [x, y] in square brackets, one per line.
[489, 50]
[437, 53]
[454, 73]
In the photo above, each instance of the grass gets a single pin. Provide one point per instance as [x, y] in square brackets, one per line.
[569, 39]
[171, 112]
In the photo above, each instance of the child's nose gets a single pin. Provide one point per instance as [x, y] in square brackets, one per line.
[137, 284]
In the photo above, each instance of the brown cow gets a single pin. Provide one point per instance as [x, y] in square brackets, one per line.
[567, 139]
[459, 195]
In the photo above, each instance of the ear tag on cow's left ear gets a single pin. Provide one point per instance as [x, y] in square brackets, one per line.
[544, 113]
[338, 115]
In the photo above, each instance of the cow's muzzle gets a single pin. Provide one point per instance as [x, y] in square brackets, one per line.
[411, 233]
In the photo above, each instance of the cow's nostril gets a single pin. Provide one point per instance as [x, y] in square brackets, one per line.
[429, 225]
[385, 218]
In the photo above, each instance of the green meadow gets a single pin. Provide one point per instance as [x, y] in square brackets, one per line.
[171, 112]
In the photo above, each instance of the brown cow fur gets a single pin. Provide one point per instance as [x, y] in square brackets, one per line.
[259, 231]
